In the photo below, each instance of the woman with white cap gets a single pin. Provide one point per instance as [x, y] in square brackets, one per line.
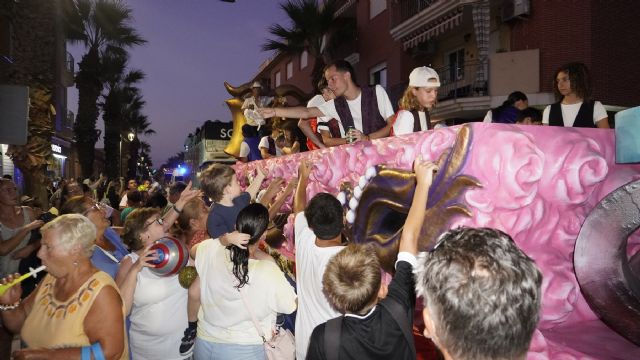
[418, 99]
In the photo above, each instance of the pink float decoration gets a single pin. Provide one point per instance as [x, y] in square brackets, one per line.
[538, 184]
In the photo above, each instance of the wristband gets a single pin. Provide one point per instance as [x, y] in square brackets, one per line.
[175, 208]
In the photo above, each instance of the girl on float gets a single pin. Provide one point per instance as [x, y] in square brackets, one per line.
[418, 99]
[575, 107]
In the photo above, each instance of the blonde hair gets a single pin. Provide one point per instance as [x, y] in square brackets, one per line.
[214, 179]
[72, 230]
[409, 101]
[190, 211]
[352, 277]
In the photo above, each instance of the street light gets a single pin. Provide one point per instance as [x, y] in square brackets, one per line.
[130, 136]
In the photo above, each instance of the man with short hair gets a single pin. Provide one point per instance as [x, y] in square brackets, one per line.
[132, 184]
[367, 110]
[481, 295]
[174, 194]
[318, 234]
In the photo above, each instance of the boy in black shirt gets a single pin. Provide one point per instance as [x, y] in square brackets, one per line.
[372, 330]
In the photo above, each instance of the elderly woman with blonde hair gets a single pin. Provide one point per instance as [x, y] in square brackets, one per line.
[74, 307]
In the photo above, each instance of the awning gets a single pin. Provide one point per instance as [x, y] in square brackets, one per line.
[433, 29]
[344, 7]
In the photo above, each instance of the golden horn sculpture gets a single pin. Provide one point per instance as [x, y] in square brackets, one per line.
[237, 117]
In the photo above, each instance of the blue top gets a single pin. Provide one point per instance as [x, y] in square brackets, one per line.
[254, 150]
[222, 219]
[507, 115]
[105, 263]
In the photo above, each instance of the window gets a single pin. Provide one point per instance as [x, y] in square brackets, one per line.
[376, 7]
[378, 75]
[455, 61]
[289, 70]
[278, 78]
[304, 59]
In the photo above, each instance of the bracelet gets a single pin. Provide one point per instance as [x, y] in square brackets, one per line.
[4, 307]
[175, 208]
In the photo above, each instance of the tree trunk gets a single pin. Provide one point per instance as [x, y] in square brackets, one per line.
[32, 158]
[89, 88]
[132, 167]
[111, 117]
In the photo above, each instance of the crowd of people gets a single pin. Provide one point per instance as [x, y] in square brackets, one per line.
[100, 294]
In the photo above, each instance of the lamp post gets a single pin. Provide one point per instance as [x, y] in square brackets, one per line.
[130, 137]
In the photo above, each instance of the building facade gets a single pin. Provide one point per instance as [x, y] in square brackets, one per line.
[483, 50]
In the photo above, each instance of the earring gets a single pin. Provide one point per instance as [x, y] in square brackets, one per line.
[75, 263]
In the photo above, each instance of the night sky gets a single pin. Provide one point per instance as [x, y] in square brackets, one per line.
[193, 47]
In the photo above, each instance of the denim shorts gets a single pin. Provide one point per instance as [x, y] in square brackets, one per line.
[205, 350]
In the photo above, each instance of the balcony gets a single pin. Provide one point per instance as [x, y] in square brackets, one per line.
[414, 21]
[405, 10]
[461, 95]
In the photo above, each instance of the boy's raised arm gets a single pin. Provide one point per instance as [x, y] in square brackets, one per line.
[424, 171]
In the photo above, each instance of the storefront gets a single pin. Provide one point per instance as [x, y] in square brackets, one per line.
[61, 151]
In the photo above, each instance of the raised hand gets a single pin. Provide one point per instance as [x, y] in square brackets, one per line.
[424, 170]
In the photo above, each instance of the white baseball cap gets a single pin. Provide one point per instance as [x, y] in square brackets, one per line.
[256, 84]
[424, 76]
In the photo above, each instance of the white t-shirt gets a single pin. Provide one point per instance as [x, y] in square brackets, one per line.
[264, 143]
[488, 118]
[223, 317]
[404, 122]
[570, 111]
[384, 107]
[244, 149]
[313, 306]
[124, 200]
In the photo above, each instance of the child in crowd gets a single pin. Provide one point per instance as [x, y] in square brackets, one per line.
[220, 184]
[352, 282]
[318, 235]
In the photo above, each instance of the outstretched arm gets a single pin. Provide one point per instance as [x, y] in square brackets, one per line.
[411, 232]
[300, 199]
[253, 188]
[298, 112]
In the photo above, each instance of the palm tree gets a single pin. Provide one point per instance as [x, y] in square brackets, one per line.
[314, 28]
[101, 26]
[121, 100]
[140, 126]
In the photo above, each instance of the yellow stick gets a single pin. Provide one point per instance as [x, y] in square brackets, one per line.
[33, 272]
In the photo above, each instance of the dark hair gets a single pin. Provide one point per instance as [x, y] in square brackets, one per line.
[322, 84]
[579, 77]
[156, 200]
[177, 187]
[252, 220]
[504, 113]
[134, 197]
[249, 131]
[343, 66]
[533, 113]
[325, 216]
[482, 292]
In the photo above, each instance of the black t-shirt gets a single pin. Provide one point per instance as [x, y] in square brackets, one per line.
[376, 335]
[222, 219]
